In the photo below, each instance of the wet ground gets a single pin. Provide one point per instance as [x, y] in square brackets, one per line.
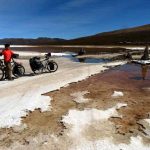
[131, 79]
[128, 79]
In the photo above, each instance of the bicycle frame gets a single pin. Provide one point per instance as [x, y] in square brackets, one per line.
[44, 62]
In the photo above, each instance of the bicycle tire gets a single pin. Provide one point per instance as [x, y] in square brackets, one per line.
[1, 74]
[18, 70]
[54, 68]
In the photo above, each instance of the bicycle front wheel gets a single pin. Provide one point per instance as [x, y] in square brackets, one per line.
[1, 74]
[52, 66]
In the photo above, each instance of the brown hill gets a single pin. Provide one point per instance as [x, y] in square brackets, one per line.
[137, 35]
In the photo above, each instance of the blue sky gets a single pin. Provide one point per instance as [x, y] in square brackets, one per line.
[69, 18]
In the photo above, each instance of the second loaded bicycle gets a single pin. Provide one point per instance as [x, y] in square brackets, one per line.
[39, 66]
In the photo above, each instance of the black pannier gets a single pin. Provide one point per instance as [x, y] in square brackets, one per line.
[35, 63]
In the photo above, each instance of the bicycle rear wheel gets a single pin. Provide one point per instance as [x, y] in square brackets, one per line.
[52, 66]
[1, 74]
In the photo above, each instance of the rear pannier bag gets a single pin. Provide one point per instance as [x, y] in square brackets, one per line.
[35, 63]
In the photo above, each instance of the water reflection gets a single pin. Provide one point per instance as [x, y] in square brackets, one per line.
[88, 60]
[92, 60]
[144, 70]
[82, 60]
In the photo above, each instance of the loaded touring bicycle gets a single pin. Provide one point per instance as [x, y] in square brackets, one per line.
[39, 66]
[18, 69]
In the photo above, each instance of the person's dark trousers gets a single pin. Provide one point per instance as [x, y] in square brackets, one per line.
[8, 70]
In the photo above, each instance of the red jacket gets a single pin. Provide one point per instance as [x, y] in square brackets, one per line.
[7, 54]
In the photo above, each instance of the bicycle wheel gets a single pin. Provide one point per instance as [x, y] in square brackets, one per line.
[52, 66]
[18, 70]
[1, 74]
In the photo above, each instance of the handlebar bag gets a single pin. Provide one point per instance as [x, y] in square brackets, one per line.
[15, 56]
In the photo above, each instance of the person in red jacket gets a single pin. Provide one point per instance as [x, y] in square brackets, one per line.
[7, 53]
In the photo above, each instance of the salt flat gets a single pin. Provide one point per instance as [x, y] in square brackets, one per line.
[37, 113]
[24, 94]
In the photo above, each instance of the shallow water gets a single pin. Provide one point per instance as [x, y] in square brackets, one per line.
[92, 60]
[132, 75]
[89, 60]
[136, 71]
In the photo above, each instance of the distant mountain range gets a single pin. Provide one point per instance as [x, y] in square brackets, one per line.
[38, 41]
[137, 35]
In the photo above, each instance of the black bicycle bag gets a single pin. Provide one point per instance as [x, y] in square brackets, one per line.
[35, 63]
